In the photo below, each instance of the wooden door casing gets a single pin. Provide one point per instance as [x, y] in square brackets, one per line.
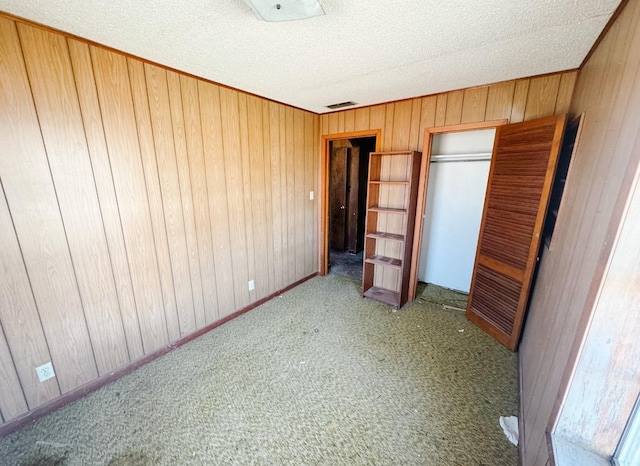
[522, 170]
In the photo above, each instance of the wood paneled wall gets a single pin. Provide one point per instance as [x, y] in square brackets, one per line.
[403, 122]
[577, 281]
[136, 203]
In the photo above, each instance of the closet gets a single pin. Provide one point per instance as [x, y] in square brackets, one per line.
[458, 174]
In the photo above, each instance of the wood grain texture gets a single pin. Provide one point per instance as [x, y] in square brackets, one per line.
[520, 100]
[522, 169]
[160, 111]
[543, 92]
[199, 189]
[486, 104]
[90, 108]
[119, 121]
[31, 197]
[453, 115]
[277, 198]
[269, 208]
[573, 271]
[22, 330]
[259, 210]
[215, 169]
[247, 191]
[565, 92]
[141, 201]
[474, 104]
[184, 179]
[235, 194]
[291, 193]
[54, 92]
[12, 403]
[441, 110]
[500, 100]
[154, 196]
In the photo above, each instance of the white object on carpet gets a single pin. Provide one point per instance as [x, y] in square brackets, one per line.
[510, 428]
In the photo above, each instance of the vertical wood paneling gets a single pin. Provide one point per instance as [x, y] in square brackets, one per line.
[565, 92]
[573, 270]
[256, 172]
[32, 199]
[247, 192]
[269, 209]
[427, 117]
[387, 141]
[349, 121]
[284, 183]
[235, 194]
[21, 326]
[474, 104]
[90, 108]
[519, 102]
[217, 191]
[159, 109]
[500, 100]
[543, 92]
[401, 125]
[291, 193]
[299, 203]
[276, 194]
[139, 202]
[114, 93]
[199, 189]
[361, 119]
[188, 216]
[154, 196]
[441, 110]
[12, 401]
[453, 114]
[414, 122]
[54, 92]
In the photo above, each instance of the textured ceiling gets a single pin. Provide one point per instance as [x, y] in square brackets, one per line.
[367, 51]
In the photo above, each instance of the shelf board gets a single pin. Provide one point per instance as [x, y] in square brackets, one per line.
[387, 210]
[385, 261]
[384, 295]
[402, 183]
[386, 236]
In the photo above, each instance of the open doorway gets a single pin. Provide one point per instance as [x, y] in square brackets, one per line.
[347, 196]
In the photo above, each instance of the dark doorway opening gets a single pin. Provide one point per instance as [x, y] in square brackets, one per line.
[348, 170]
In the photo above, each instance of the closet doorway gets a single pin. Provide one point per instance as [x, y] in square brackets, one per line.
[458, 175]
[453, 184]
[345, 165]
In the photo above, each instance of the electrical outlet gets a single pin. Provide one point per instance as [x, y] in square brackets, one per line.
[45, 372]
[252, 285]
[311, 195]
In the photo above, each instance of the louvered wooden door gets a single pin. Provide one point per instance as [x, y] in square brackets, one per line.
[520, 180]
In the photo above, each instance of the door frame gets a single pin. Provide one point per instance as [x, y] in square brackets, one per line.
[323, 247]
[422, 188]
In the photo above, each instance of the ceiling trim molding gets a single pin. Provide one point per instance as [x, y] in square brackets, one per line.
[604, 32]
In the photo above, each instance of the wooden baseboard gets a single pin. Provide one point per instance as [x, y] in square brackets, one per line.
[77, 393]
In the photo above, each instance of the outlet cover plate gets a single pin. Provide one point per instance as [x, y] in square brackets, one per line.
[45, 372]
[252, 285]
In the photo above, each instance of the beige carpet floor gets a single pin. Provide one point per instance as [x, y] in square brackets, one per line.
[317, 376]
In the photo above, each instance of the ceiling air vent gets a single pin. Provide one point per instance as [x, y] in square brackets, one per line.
[341, 105]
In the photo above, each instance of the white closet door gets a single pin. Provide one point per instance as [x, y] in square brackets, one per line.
[453, 210]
